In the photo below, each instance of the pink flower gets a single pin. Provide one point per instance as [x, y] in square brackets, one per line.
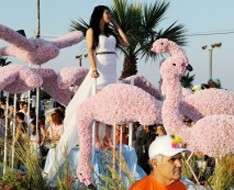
[116, 103]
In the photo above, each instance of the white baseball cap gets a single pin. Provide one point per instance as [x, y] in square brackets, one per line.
[165, 145]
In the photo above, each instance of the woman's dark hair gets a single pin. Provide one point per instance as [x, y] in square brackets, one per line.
[20, 115]
[95, 24]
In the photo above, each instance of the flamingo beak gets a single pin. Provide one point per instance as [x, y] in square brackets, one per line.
[189, 67]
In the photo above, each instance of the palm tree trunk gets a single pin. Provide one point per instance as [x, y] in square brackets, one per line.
[129, 66]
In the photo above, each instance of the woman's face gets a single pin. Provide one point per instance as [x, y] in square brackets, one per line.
[106, 17]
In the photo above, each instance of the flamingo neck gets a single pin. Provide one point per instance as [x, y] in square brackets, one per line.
[172, 119]
[174, 49]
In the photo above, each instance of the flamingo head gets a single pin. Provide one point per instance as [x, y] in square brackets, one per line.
[175, 66]
[160, 45]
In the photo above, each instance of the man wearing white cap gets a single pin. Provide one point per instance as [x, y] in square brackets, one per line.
[165, 159]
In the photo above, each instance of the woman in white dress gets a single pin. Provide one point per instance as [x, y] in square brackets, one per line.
[101, 45]
[53, 134]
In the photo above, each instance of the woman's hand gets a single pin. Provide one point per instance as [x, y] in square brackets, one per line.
[115, 23]
[94, 73]
[123, 40]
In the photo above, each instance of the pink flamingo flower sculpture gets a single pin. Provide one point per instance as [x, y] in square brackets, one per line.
[141, 82]
[18, 78]
[163, 45]
[59, 85]
[50, 85]
[195, 106]
[116, 103]
[35, 51]
[212, 135]
[71, 76]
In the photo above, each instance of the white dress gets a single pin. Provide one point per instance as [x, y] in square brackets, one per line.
[106, 66]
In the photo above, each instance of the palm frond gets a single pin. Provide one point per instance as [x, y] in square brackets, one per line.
[129, 17]
[80, 25]
[175, 32]
[187, 80]
[145, 48]
[154, 14]
[119, 10]
[4, 62]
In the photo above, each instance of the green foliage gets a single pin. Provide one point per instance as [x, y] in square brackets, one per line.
[118, 175]
[187, 80]
[30, 174]
[4, 62]
[223, 178]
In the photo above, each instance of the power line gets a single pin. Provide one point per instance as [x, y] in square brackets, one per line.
[211, 33]
[207, 33]
[190, 35]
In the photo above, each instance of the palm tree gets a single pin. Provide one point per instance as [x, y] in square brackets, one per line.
[141, 24]
[187, 80]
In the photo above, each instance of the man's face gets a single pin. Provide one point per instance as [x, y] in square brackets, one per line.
[170, 167]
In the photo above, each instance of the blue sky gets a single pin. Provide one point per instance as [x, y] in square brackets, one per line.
[197, 15]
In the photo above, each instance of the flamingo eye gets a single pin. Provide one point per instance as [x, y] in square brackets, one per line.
[174, 64]
[162, 43]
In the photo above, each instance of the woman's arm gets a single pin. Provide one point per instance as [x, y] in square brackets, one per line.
[91, 53]
[122, 36]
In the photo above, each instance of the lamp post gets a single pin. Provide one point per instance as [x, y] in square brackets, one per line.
[80, 58]
[210, 50]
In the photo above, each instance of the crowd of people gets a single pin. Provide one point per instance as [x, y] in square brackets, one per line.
[47, 131]
[141, 158]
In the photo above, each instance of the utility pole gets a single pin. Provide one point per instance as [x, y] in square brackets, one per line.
[210, 50]
[38, 19]
[80, 58]
[38, 34]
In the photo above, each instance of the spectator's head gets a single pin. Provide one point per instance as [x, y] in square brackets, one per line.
[19, 117]
[24, 106]
[165, 158]
[160, 131]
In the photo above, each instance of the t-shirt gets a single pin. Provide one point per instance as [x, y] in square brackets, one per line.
[150, 183]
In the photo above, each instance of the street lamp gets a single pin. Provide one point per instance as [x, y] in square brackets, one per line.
[80, 57]
[210, 49]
